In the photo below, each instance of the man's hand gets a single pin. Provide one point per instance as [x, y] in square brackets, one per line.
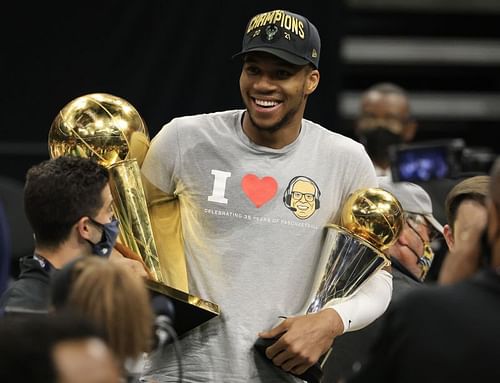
[462, 259]
[134, 265]
[303, 340]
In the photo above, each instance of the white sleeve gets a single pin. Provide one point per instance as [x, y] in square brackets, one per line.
[367, 304]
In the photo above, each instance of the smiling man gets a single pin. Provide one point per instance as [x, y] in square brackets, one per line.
[253, 258]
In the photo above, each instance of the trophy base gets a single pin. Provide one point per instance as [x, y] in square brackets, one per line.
[313, 374]
[190, 311]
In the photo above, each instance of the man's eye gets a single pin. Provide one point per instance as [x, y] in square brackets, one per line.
[283, 74]
[252, 70]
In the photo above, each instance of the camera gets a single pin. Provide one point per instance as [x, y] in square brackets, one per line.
[438, 159]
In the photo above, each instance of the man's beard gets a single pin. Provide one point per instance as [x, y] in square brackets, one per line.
[271, 129]
[280, 124]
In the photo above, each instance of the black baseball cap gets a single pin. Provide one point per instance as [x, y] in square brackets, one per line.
[287, 35]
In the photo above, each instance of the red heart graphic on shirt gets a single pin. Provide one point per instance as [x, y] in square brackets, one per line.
[259, 190]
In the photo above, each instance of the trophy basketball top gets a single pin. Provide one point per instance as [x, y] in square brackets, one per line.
[375, 215]
[98, 125]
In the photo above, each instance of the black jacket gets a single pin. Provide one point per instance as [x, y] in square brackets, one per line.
[351, 349]
[30, 293]
[440, 334]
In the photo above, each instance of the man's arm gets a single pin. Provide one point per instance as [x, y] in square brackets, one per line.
[304, 339]
[368, 303]
[164, 212]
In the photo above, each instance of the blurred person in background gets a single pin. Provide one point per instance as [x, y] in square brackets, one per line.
[384, 120]
[114, 300]
[18, 233]
[465, 207]
[60, 348]
[412, 254]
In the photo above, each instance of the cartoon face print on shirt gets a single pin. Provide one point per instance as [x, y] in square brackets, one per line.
[302, 197]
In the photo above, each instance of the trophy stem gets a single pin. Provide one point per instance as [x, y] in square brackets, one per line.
[348, 262]
[131, 209]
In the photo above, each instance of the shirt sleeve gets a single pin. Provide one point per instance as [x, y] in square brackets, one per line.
[367, 304]
[161, 163]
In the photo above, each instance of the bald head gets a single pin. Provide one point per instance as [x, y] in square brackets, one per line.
[386, 101]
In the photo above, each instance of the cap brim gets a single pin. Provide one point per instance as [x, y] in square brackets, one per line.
[289, 57]
[435, 224]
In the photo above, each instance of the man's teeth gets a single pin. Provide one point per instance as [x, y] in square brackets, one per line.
[266, 103]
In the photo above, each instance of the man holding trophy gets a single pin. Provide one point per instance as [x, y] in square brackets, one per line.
[245, 198]
[110, 131]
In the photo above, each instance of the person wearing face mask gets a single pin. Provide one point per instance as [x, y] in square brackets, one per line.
[68, 204]
[384, 120]
[411, 258]
[412, 254]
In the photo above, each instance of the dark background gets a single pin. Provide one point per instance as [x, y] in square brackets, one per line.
[174, 58]
[166, 58]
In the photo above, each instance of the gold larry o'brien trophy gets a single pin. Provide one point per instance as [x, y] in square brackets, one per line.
[371, 221]
[105, 127]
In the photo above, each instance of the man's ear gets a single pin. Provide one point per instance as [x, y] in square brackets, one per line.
[83, 227]
[312, 81]
[448, 236]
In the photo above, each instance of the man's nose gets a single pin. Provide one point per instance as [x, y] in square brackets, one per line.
[264, 82]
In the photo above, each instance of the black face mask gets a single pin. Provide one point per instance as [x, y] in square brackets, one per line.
[110, 232]
[377, 142]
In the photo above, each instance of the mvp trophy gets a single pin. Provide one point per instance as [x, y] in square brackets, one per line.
[371, 221]
[105, 128]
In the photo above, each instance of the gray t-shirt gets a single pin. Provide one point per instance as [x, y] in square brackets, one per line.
[253, 223]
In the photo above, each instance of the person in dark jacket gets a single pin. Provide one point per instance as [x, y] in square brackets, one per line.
[69, 206]
[445, 333]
